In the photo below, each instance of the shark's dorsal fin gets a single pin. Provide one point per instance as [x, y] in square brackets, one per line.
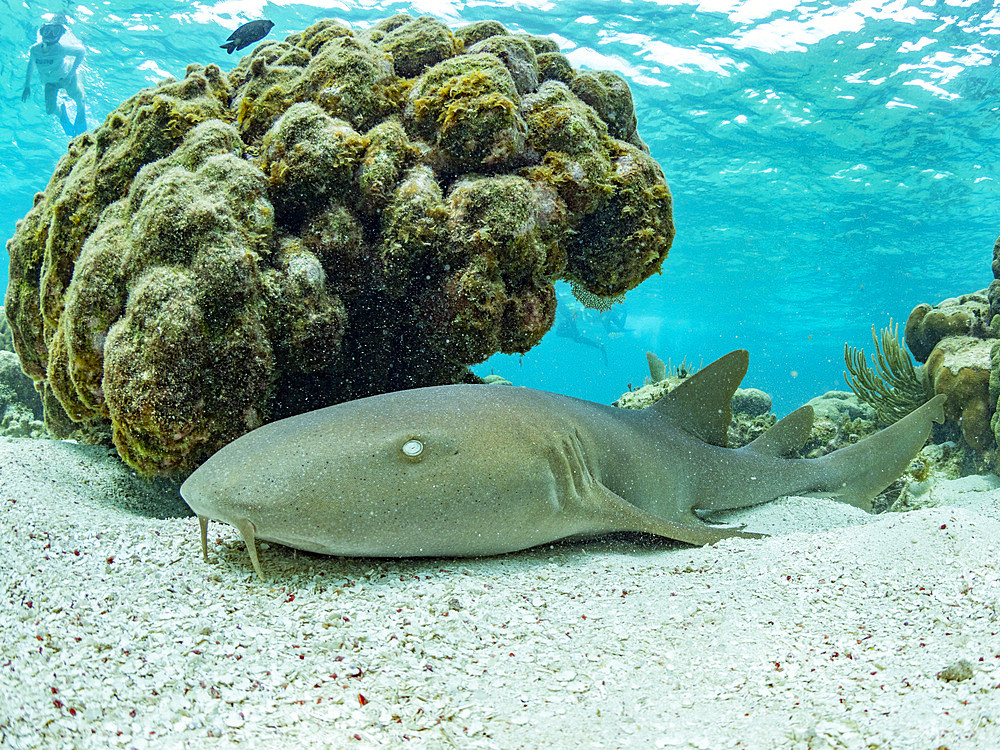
[787, 435]
[701, 404]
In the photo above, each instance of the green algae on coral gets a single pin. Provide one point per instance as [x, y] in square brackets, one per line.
[479, 30]
[416, 44]
[467, 109]
[553, 66]
[611, 98]
[310, 159]
[415, 231]
[388, 154]
[343, 213]
[517, 55]
[638, 215]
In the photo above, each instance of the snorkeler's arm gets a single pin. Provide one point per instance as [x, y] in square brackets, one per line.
[78, 51]
[27, 74]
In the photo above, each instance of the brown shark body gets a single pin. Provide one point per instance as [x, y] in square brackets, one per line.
[469, 470]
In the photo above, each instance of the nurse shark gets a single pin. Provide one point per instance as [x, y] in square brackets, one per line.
[471, 470]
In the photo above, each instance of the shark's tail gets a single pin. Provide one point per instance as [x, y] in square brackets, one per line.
[857, 473]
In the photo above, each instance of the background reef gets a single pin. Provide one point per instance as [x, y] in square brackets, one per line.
[343, 214]
[957, 343]
[20, 407]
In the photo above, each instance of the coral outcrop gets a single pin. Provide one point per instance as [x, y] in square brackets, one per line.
[20, 406]
[959, 366]
[6, 337]
[751, 401]
[967, 315]
[344, 213]
[840, 418]
[957, 342]
[954, 339]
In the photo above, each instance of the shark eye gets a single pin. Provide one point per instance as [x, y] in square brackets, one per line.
[413, 448]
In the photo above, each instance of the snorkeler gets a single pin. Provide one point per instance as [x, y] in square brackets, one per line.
[51, 56]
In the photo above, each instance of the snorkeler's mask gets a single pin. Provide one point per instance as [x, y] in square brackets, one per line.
[51, 32]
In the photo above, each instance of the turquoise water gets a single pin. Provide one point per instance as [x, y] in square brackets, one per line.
[833, 164]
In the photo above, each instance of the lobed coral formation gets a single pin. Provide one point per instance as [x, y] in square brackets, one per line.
[343, 214]
[954, 340]
[959, 366]
[967, 315]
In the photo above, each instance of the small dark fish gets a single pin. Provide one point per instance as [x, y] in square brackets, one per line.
[247, 34]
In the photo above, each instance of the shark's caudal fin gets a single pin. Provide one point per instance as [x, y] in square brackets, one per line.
[857, 473]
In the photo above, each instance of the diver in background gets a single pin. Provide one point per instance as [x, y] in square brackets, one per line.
[51, 56]
[567, 327]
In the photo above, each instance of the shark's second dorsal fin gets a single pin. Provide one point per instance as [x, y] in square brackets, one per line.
[787, 435]
[701, 404]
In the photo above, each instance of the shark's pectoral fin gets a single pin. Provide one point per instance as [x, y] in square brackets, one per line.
[620, 515]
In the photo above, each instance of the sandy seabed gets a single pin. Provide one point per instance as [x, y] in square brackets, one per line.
[841, 630]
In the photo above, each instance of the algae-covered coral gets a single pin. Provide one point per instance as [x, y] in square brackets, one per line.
[344, 213]
[954, 339]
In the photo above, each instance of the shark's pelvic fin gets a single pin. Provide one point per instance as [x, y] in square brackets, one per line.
[701, 404]
[617, 514]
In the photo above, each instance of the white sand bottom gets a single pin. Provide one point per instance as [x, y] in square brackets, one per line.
[830, 634]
